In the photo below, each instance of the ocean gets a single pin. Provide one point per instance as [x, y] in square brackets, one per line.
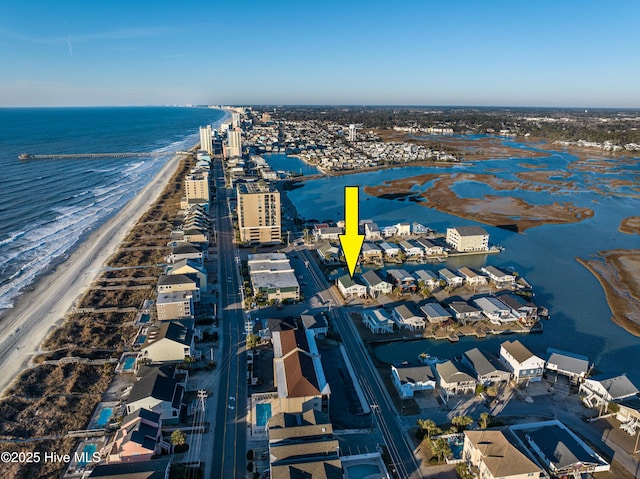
[46, 206]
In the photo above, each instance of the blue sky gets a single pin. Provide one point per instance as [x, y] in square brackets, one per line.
[544, 53]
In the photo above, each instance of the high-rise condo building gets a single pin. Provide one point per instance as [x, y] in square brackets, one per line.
[206, 139]
[235, 120]
[196, 187]
[259, 214]
[235, 142]
[352, 132]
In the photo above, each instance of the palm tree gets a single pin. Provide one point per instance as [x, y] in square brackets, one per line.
[440, 447]
[462, 421]
[483, 422]
[429, 426]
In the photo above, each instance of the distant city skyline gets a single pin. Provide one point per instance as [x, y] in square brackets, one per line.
[547, 54]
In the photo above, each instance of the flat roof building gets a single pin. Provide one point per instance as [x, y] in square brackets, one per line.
[468, 238]
[272, 275]
[259, 219]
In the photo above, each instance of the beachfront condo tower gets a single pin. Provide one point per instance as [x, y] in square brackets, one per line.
[206, 139]
[259, 214]
[196, 187]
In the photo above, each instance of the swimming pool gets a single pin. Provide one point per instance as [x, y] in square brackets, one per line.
[104, 417]
[129, 363]
[263, 413]
[87, 454]
[360, 471]
[144, 318]
[456, 443]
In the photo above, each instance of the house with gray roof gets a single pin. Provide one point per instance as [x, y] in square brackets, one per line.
[500, 278]
[452, 279]
[454, 378]
[158, 389]
[402, 279]
[316, 323]
[328, 254]
[429, 247]
[465, 313]
[600, 390]
[411, 249]
[575, 366]
[154, 469]
[486, 367]
[390, 250]
[429, 278]
[371, 251]
[406, 318]
[376, 285]
[186, 251]
[377, 320]
[435, 313]
[169, 341]
[495, 310]
[168, 283]
[408, 378]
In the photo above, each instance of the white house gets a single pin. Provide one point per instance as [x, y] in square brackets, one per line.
[487, 368]
[388, 231]
[377, 321]
[405, 318]
[411, 250]
[403, 230]
[454, 379]
[574, 366]
[452, 279]
[471, 277]
[600, 390]
[429, 279]
[372, 232]
[495, 310]
[465, 313]
[390, 250]
[316, 323]
[328, 254]
[523, 364]
[376, 286]
[429, 247]
[169, 341]
[500, 278]
[410, 378]
[349, 288]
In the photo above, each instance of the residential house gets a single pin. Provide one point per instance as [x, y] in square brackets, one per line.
[485, 366]
[560, 451]
[454, 379]
[500, 278]
[403, 230]
[316, 323]
[302, 445]
[349, 288]
[193, 267]
[429, 279]
[401, 279]
[408, 378]
[472, 278]
[277, 324]
[465, 313]
[378, 321]
[406, 318]
[418, 229]
[169, 341]
[158, 389]
[138, 439]
[196, 235]
[174, 305]
[186, 251]
[526, 311]
[600, 390]
[452, 279]
[495, 310]
[298, 372]
[435, 313]
[390, 250]
[468, 239]
[411, 250]
[155, 469]
[389, 231]
[496, 454]
[329, 233]
[574, 366]
[168, 283]
[376, 286]
[372, 232]
[371, 252]
[523, 364]
[328, 254]
[429, 247]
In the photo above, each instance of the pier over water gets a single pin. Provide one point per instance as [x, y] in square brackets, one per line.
[71, 156]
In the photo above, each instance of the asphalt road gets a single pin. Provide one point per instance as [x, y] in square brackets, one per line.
[374, 389]
[230, 429]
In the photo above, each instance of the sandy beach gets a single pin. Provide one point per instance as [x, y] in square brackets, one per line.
[36, 312]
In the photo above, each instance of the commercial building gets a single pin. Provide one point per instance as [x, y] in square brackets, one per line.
[468, 239]
[271, 275]
[259, 218]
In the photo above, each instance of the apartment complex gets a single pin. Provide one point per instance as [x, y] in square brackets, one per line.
[235, 143]
[206, 139]
[259, 214]
[468, 238]
[196, 187]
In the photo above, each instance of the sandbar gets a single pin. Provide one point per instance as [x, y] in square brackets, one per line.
[630, 225]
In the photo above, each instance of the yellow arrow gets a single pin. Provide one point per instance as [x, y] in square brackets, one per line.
[351, 241]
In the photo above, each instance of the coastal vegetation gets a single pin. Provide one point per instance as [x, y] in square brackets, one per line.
[49, 400]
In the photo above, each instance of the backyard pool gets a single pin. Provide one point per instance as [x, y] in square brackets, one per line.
[87, 454]
[128, 363]
[104, 417]
[360, 471]
[456, 443]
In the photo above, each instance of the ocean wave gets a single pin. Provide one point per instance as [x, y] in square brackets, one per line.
[12, 237]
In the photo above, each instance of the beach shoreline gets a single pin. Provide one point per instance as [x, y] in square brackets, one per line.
[41, 308]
